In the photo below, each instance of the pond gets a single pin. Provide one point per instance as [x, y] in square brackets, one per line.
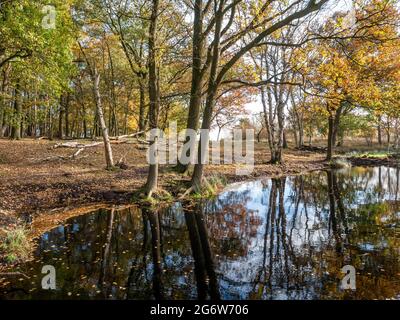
[285, 238]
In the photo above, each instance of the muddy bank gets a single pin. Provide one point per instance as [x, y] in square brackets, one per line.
[375, 162]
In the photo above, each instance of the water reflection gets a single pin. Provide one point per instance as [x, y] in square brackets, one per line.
[285, 238]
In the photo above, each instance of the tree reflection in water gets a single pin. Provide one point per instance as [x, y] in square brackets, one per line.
[285, 238]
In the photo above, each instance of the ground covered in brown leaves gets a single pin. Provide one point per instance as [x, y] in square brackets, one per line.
[33, 180]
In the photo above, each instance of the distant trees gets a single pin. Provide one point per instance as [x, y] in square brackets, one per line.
[35, 63]
[347, 72]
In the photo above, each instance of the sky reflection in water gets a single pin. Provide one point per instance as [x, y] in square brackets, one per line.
[284, 238]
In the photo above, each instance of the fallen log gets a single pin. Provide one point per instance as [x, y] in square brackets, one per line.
[127, 136]
[76, 145]
[120, 140]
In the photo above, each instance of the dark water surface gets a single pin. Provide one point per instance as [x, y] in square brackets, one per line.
[284, 238]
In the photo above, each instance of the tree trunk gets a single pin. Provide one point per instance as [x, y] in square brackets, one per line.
[336, 123]
[275, 136]
[332, 211]
[99, 107]
[16, 127]
[259, 135]
[84, 121]
[284, 143]
[296, 138]
[331, 142]
[4, 89]
[66, 109]
[113, 105]
[154, 96]
[197, 78]
[60, 119]
[2, 112]
[197, 176]
[50, 127]
[379, 130]
[142, 104]
[299, 120]
[388, 134]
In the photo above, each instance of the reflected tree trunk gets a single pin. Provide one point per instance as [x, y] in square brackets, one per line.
[333, 225]
[208, 255]
[156, 253]
[339, 201]
[197, 251]
[107, 248]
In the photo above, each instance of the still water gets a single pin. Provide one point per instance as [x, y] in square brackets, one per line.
[285, 238]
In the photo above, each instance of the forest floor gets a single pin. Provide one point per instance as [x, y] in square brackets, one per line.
[31, 181]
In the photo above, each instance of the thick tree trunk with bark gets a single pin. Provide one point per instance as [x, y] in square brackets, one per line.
[336, 123]
[106, 139]
[142, 103]
[380, 130]
[60, 119]
[197, 176]
[333, 127]
[331, 133]
[197, 77]
[4, 89]
[154, 96]
[274, 128]
[16, 127]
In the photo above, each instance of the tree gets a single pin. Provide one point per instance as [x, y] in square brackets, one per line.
[345, 72]
[226, 46]
[95, 76]
[198, 73]
[154, 95]
[35, 63]
[275, 65]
